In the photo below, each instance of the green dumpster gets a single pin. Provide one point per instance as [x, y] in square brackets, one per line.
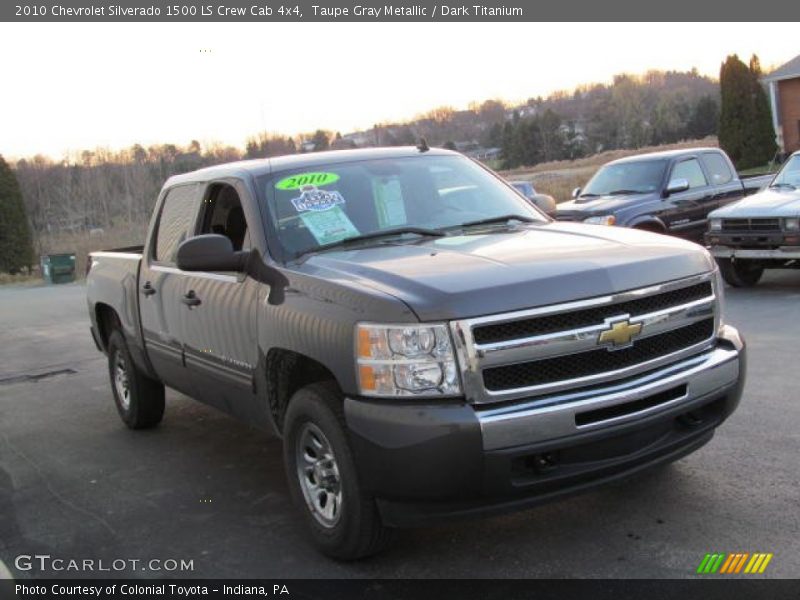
[58, 268]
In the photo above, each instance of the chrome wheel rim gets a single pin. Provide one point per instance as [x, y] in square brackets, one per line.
[318, 474]
[121, 382]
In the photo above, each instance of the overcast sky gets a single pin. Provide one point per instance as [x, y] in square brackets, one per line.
[75, 86]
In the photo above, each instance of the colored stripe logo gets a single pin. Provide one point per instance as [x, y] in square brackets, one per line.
[734, 563]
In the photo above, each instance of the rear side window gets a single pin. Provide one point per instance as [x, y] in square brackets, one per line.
[717, 168]
[691, 171]
[178, 213]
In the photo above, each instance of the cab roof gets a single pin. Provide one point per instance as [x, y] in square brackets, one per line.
[665, 154]
[295, 162]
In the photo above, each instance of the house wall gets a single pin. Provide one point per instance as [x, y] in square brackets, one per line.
[789, 103]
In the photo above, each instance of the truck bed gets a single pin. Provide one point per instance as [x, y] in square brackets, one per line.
[113, 282]
[754, 183]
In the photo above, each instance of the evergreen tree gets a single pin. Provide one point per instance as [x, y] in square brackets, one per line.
[16, 249]
[320, 140]
[705, 118]
[745, 124]
[762, 147]
[509, 146]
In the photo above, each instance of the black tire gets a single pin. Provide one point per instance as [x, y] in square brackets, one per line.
[357, 531]
[740, 273]
[144, 407]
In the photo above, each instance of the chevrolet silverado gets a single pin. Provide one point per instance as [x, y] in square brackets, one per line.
[427, 344]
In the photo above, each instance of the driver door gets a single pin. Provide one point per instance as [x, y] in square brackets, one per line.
[686, 211]
[221, 340]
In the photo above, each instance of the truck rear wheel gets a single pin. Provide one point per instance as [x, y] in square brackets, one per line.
[139, 399]
[343, 519]
[740, 273]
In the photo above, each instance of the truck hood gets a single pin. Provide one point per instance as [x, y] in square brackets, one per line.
[471, 275]
[600, 205]
[774, 202]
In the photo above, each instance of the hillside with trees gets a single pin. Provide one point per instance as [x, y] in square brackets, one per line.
[102, 191]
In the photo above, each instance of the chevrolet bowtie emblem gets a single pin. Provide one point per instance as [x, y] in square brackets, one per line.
[620, 334]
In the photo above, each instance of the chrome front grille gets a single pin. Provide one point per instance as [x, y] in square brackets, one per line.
[593, 362]
[563, 347]
[540, 325]
[751, 225]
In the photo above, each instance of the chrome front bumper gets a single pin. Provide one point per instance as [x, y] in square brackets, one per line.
[782, 253]
[559, 416]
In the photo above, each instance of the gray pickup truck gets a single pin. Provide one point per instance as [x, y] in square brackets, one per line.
[760, 232]
[426, 343]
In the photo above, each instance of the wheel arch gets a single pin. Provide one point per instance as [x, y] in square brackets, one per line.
[649, 224]
[107, 320]
[287, 371]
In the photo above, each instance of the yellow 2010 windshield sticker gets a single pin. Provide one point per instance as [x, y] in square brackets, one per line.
[295, 182]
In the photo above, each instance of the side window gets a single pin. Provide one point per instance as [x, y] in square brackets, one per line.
[717, 168]
[177, 214]
[691, 171]
[223, 215]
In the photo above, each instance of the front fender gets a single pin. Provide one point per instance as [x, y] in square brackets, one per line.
[648, 221]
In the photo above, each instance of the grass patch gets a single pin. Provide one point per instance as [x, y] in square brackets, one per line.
[20, 278]
[768, 169]
[82, 242]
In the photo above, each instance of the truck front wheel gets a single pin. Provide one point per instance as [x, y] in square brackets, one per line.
[740, 273]
[139, 399]
[343, 519]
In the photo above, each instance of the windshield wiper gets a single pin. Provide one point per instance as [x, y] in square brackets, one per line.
[588, 195]
[782, 184]
[624, 192]
[492, 220]
[422, 231]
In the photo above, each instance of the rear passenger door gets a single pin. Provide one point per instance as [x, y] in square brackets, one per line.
[686, 211]
[221, 344]
[161, 285]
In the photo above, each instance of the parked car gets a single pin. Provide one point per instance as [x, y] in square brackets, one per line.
[761, 231]
[426, 344]
[665, 192]
[544, 202]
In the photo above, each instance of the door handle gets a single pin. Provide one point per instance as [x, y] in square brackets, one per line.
[148, 289]
[190, 299]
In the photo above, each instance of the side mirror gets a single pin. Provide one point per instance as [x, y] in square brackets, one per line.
[576, 192]
[209, 252]
[545, 203]
[676, 185]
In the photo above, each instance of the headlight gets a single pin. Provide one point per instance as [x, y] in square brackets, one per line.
[791, 224]
[406, 360]
[715, 224]
[602, 220]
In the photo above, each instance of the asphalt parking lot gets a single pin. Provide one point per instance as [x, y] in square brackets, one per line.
[75, 483]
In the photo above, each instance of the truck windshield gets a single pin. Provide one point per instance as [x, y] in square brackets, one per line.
[789, 175]
[641, 176]
[317, 207]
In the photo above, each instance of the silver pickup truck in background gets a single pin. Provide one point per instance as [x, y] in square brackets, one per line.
[426, 342]
[759, 232]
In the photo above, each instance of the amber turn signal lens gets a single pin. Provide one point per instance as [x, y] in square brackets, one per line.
[366, 377]
[364, 343]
